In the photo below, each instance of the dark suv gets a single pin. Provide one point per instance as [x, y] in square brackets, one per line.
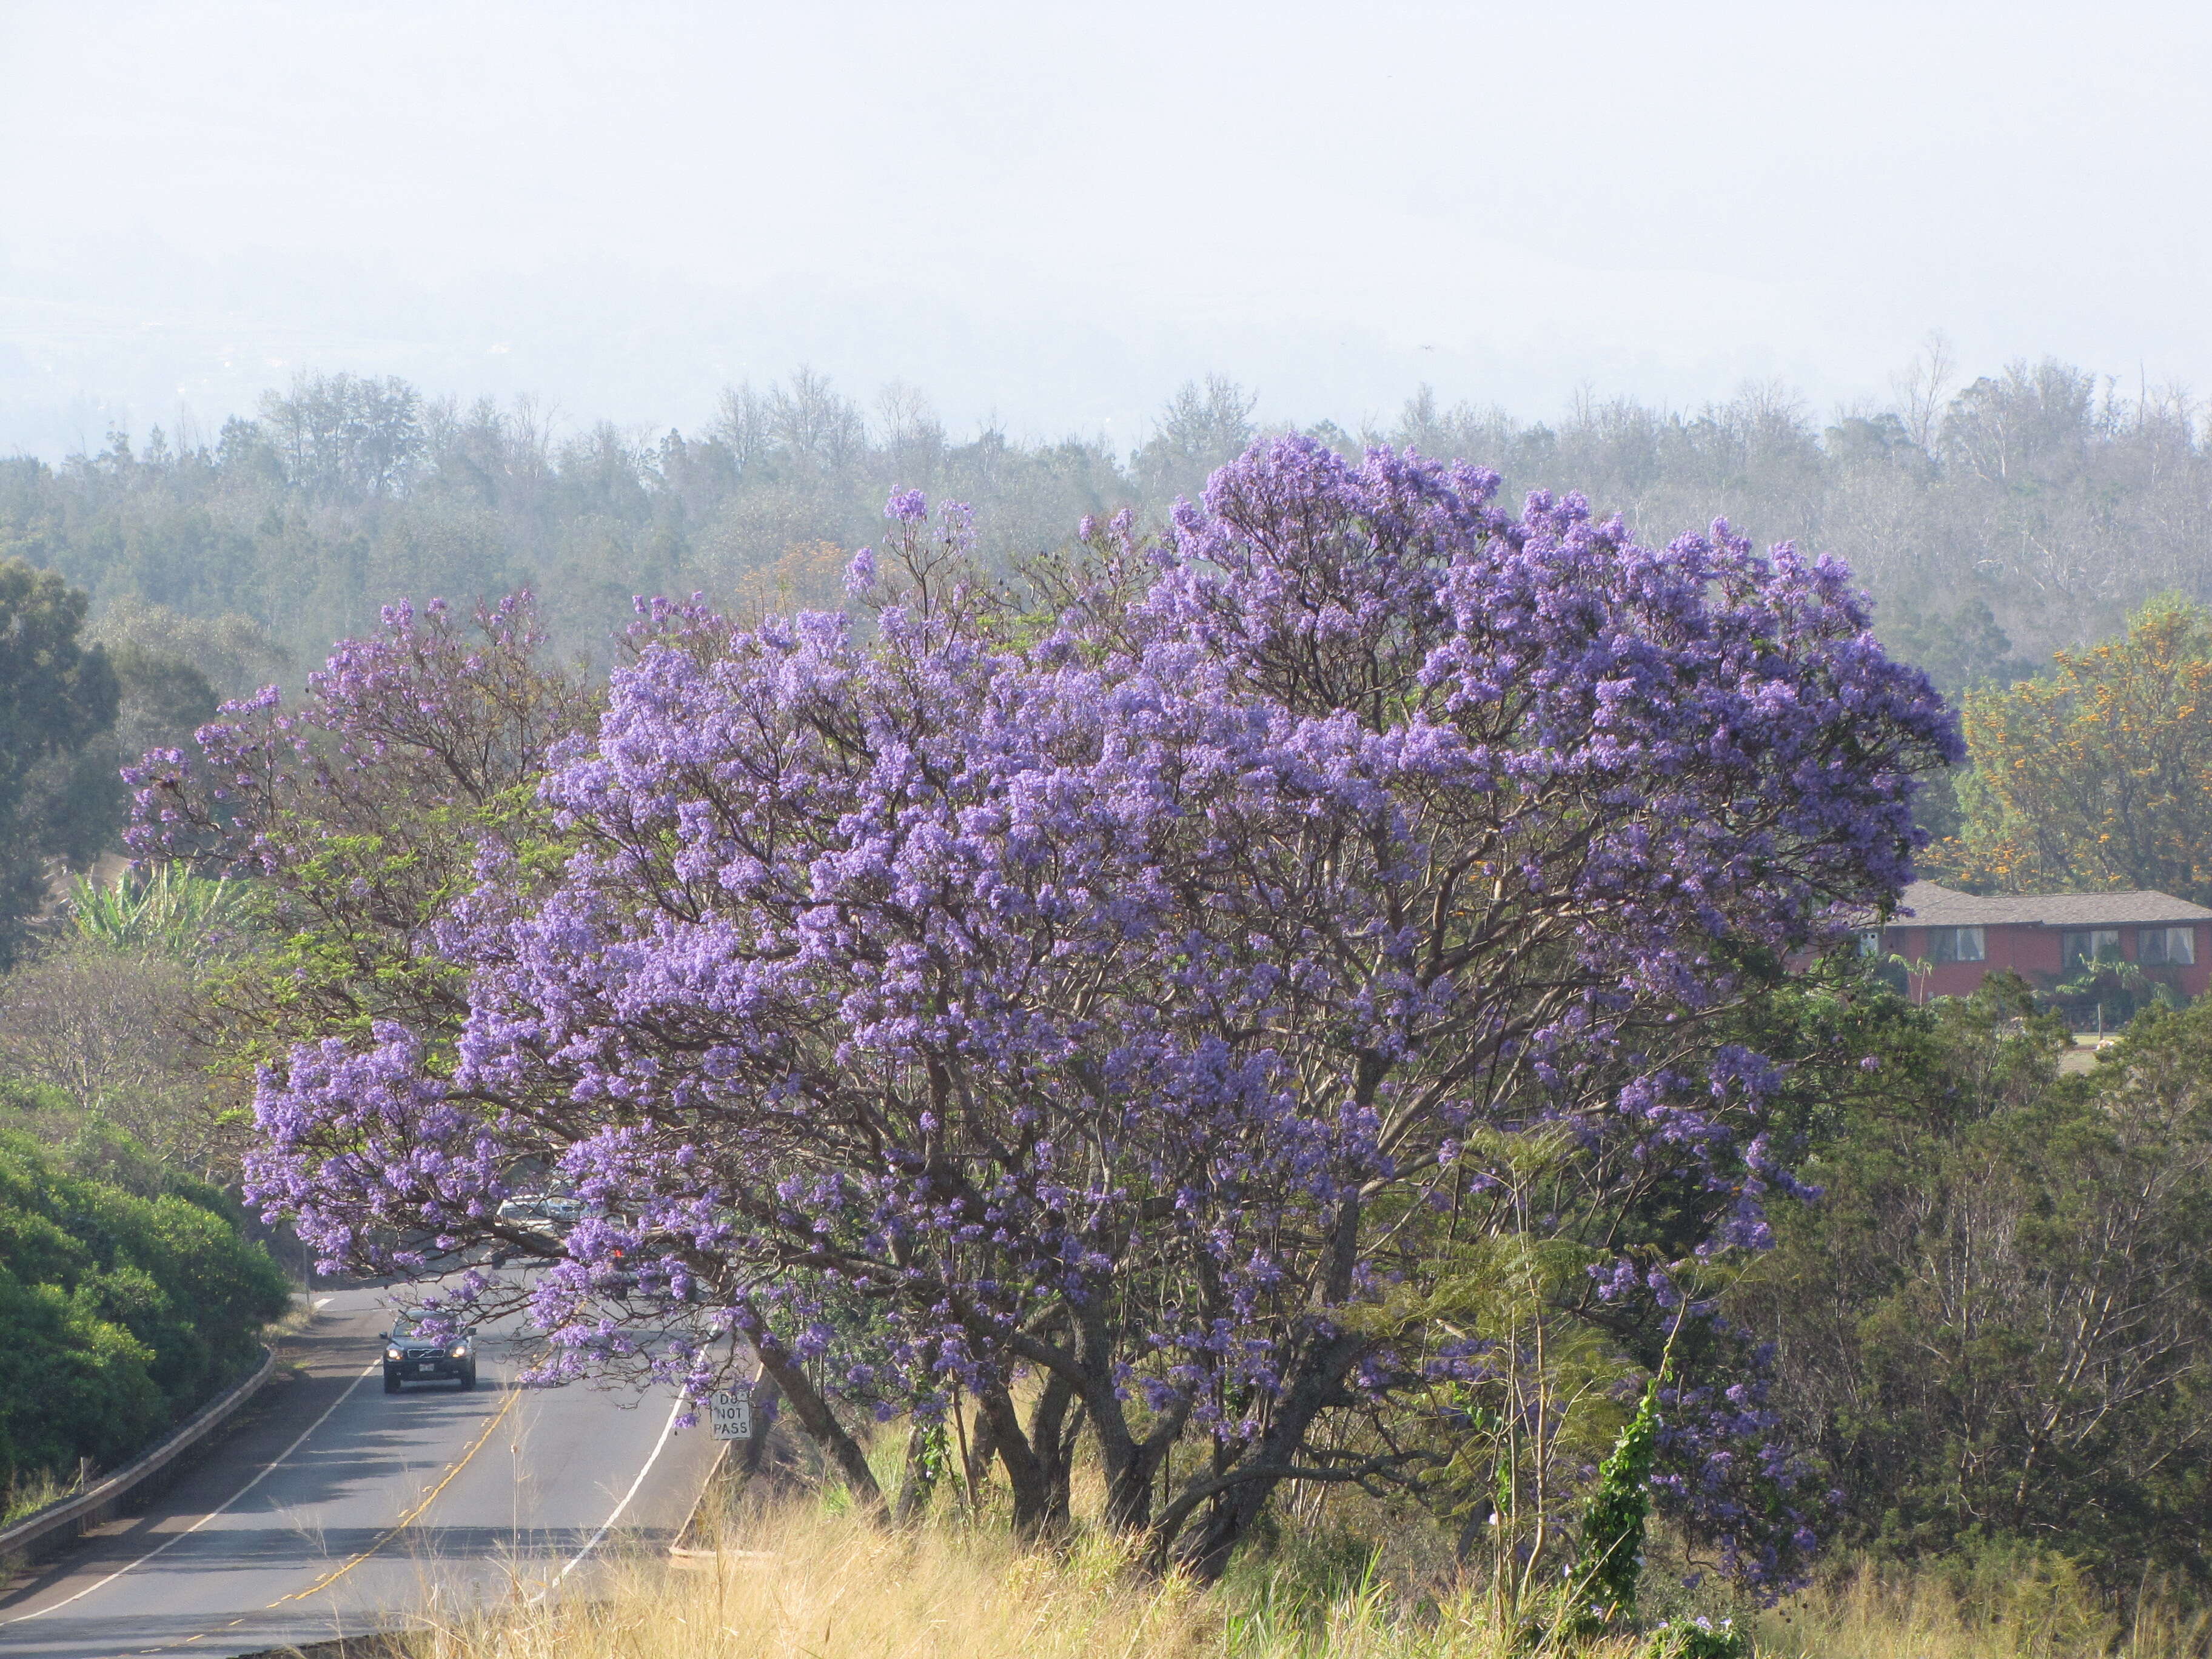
[409, 1356]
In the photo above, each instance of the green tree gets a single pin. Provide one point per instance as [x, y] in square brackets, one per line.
[1996, 1326]
[75, 807]
[2099, 775]
[56, 693]
[1962, 651]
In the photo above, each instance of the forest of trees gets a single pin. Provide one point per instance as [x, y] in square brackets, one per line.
[2033, 511]
[2032, 508]
[1982, 1344]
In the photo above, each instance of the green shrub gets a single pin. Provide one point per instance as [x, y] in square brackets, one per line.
[118, 1314]
[1697, 1639]
[1612, 1527]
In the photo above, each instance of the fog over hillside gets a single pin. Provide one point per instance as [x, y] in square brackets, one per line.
[1052, 216]
[1993, 517]
[305, 310]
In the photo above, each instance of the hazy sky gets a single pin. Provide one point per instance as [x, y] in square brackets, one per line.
[1056, 213]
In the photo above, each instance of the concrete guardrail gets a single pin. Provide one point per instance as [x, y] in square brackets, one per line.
[92, 1504]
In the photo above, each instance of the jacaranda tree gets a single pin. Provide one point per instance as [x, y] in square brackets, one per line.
[359, 813]
[1088, 1003]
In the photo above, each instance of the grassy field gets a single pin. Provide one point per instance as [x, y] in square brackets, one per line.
[797, 1581]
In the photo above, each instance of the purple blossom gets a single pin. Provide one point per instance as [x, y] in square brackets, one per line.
[1089, 1001]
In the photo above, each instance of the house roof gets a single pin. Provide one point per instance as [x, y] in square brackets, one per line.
[1925, 904]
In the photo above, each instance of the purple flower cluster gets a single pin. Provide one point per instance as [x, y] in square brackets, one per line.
[1098, 997]
[434, 713]
[1723, 1468]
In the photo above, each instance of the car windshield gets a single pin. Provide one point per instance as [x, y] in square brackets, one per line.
[412, 1324]
[536, 1206]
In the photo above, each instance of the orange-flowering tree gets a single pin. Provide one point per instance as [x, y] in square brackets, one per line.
[2100, 773]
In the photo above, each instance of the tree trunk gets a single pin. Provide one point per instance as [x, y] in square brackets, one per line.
[1129, 1464]
[766, 1392]
[1028, 1476]
[1233, 1509]
[822, 1425]
[1132, 1465]
[920, 1479]
[1052, 1433]
[1478, 1521]
[1129, 1491]
[982, 1451]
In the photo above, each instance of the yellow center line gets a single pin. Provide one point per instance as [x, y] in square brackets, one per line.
[391, 1532]
[408, 1519]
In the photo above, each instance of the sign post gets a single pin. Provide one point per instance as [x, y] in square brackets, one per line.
[731, 1412]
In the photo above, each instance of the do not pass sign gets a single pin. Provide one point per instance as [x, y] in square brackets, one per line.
[731, 1412]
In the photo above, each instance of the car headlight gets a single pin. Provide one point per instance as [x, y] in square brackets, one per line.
[461, 1350]
[392, 1353]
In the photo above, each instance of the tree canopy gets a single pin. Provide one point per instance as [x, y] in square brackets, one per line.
[56, 693]
[2100, 773]
[1123, 980]
[2031, 507]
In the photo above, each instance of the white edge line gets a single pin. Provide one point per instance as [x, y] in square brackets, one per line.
[174, 1539]
[592, 1542]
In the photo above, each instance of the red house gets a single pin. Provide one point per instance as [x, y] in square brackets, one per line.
[1953, 938]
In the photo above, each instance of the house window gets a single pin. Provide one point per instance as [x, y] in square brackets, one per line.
[1870, 941]
[2100, 945]
[2171, 946]
[1954, 945]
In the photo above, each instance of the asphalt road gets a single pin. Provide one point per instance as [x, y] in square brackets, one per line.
[340, 1508]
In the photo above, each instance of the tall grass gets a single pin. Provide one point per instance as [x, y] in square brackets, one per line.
[788, 1569]
[31, 1491]
[2041, 1611]
[802, 1582]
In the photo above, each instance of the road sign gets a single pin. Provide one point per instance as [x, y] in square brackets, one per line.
[731, 1412]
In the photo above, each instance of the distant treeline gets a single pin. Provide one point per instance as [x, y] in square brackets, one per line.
[2032, 508]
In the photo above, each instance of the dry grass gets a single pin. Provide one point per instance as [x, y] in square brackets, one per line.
[814, 1585]
[2040, 1610]
[803, 1582]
